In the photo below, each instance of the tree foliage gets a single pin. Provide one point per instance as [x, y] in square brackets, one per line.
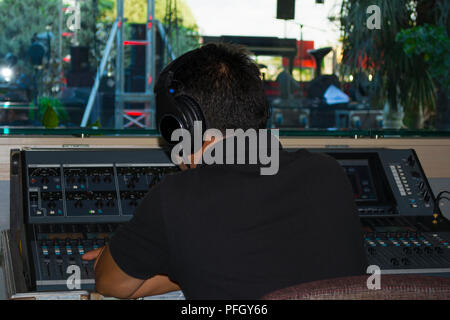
[401, 78]
[20, 20]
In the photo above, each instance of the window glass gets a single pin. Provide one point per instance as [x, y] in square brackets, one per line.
[329, 67]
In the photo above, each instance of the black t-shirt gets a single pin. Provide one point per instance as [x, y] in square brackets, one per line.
[227, 232]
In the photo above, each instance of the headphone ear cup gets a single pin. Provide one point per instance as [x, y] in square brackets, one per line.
[191, 112]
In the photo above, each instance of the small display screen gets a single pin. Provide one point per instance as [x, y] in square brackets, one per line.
[358, 171]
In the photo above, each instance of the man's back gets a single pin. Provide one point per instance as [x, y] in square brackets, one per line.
[225, 231]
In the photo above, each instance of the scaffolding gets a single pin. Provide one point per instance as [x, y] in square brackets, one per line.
[143, 118]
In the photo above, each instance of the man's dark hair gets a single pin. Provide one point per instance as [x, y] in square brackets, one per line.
[226, 83]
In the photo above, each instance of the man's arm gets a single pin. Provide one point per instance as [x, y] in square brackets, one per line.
[110, 280]
[136, 260]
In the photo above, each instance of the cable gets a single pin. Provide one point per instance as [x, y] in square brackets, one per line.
[440, 197]
[441, 193]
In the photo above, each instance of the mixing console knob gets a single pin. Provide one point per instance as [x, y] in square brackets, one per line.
[406, 261]
[133, 203]
[96, 179]
[428, 250]
[108, 179]
[415, 174]
[110, 203]
[372, 251]
[411, 161]
[99, 204]
[421, 185]
[439, 250]
[78, 204]
[395, 262]
[45, 180]
[82, 180]
[52, 205]
[407, 250]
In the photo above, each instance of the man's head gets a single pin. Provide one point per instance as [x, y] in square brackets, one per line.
[226, 84]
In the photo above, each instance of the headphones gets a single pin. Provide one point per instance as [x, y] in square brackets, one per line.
[174, 110]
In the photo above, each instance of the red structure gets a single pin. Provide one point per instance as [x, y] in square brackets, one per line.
[306, 59]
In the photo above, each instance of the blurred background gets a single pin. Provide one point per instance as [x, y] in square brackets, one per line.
[336, 65]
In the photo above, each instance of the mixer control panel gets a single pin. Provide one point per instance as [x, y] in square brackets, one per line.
[96, 192]
[73, 200]
[408, 244]
[57, 250]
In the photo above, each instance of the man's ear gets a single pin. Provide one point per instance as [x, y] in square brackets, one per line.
[207, 142]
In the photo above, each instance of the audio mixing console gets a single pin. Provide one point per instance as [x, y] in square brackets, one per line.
[65, 202]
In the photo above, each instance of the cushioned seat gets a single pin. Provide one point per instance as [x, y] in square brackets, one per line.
[393, 287]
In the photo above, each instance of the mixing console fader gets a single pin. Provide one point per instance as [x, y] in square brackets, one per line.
[57, 251]
[407, 245]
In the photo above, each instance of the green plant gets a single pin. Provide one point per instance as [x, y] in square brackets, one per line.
[95, 125]
[50, 118]
[376, 50]
[19, 21]
[400, 77]
[432, 44]
[429, 48]
[51, 112]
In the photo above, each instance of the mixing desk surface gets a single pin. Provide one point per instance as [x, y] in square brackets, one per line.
[65, 202]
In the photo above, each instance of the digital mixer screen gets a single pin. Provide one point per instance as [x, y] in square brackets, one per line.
[358, 172]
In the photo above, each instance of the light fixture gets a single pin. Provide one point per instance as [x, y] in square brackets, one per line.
[6, 73]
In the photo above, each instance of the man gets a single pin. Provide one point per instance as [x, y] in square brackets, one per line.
[226, 231]
[288, 85]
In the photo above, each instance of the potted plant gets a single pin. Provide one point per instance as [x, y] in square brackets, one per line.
[428, 47]
[403, 83]
[51, 112]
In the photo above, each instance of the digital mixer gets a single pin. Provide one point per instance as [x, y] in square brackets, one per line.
[65, 202]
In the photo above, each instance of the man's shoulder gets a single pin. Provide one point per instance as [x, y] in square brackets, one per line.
[300, 159]
[311, 157]
[179, 178]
